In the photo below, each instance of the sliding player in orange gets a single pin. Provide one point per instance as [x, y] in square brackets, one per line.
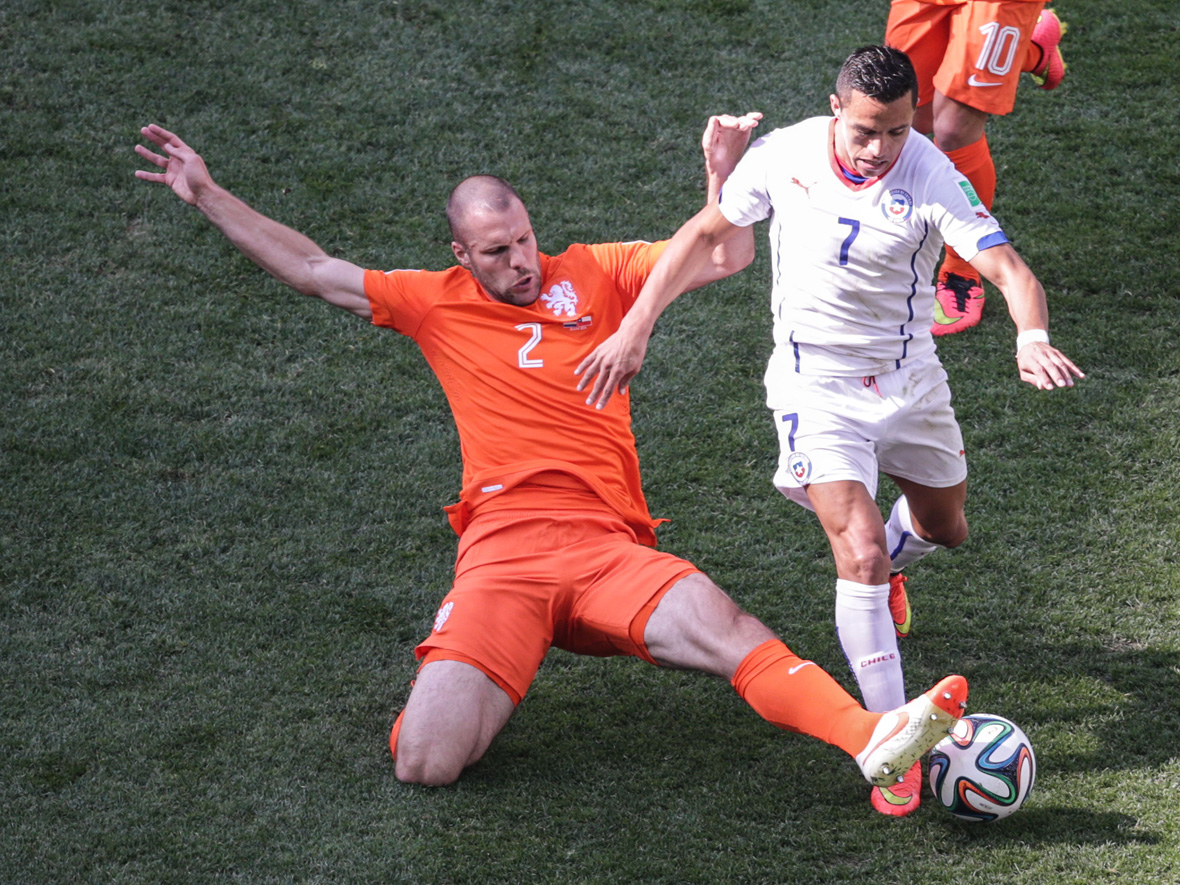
[556, 543]
[969, 55]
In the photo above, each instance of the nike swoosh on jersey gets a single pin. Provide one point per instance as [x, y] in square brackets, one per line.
[975, 81]
[799, 667]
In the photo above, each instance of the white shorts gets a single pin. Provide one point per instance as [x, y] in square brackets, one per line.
[900, 423]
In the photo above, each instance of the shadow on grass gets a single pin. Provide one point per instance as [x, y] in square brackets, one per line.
[1090, 706]
[1038, 827]
[592, 734]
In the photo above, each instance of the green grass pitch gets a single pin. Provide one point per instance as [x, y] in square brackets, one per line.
[220, 523]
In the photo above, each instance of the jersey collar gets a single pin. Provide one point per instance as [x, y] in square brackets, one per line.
[834, 162]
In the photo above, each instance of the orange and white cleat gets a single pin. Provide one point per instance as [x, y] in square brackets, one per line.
[904, 735]
[1046, 36]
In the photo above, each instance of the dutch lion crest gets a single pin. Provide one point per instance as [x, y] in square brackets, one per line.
[562, 299]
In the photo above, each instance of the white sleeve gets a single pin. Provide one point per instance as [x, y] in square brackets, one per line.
[745, 198]
[960, 216]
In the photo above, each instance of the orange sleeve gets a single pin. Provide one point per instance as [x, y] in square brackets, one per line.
[399, 299]
[628, 264]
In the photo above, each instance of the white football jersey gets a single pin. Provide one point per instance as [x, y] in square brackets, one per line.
[853, 264]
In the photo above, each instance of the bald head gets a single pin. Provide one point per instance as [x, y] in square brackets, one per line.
[478, 194]
[492, 237]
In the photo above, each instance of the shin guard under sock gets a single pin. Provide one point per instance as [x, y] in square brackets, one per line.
[869, 641]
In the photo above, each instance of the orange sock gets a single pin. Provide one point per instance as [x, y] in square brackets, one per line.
[800, 696]
[976, 164]
[397, 727]
[1032, 58]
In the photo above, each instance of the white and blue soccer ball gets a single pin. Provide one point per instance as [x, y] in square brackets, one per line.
[985, 768]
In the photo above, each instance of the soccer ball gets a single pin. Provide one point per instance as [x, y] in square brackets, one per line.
[984, 770]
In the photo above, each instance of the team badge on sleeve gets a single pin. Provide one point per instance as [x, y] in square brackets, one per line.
[443, 615]
[898, 207]
[800, 467]
[969, 192]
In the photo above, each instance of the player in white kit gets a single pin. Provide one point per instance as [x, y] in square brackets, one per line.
[859, 207]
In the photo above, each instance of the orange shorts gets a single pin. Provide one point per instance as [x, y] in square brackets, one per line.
[561, 571]
[970, 51]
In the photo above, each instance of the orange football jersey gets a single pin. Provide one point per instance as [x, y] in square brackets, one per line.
[508, 372]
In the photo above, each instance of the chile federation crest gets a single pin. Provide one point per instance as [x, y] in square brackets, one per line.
[898, 207]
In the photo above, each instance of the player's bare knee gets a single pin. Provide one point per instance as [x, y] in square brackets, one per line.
[864, 564]
[958, 538]
[950, 534]
[428, 769]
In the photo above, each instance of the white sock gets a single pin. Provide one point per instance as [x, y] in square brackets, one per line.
[902, 542]
[866, 633]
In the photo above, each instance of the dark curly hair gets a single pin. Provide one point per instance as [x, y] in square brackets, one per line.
[880, 72]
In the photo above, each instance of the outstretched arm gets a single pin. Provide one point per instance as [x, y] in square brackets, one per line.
[1041, 365]
[706, 248]
[724, 142]
[285, 254]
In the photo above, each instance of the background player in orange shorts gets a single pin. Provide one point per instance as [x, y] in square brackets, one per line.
[556, 542]
[969, 55]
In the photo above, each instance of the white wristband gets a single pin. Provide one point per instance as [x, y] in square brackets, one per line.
[1028, 337]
